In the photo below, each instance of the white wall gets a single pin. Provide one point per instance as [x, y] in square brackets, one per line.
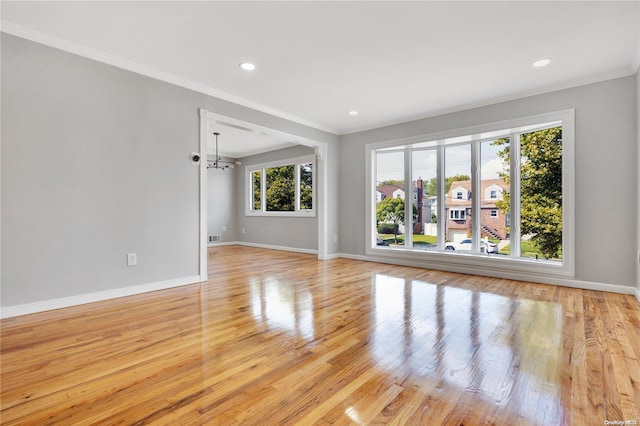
[290, 232]
[606, 171]
[221, 203]
[95, 165]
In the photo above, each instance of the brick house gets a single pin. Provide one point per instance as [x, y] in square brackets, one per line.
[458, 205]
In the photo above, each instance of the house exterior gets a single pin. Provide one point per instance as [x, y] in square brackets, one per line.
[389, 191]
[494, 222]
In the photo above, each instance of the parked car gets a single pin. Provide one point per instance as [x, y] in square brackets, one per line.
[486, 246]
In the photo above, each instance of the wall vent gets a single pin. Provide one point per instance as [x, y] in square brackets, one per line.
[214, 238]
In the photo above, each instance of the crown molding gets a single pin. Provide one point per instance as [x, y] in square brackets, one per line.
[116, 61]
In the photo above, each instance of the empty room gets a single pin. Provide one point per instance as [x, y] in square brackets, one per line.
[329, 212]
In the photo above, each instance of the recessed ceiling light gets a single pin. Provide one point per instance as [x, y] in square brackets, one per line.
[542, 63]
[247, 66]
[353, 112]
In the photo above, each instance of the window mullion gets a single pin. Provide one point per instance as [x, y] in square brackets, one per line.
[514, 164]
[263, 189]
[373, 226]
[475, 197]
[296, 195]
[251, 197]
[408, 201]
[442, 219]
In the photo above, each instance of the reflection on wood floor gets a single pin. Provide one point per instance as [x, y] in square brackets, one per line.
[281, 338]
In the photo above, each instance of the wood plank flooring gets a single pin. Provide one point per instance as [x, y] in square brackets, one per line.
[277, 338]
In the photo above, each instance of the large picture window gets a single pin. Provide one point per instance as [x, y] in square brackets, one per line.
[281, 188]
[499, 193]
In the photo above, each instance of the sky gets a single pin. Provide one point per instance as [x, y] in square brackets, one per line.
[457, 161]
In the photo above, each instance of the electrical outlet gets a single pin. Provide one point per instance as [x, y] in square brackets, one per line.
[243, 230]
[132, 259]
[335, 238]
[224, 228]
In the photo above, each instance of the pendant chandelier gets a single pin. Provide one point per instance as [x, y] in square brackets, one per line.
[219, 163]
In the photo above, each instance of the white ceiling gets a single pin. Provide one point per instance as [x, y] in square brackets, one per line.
[391, 61]
[237, 141]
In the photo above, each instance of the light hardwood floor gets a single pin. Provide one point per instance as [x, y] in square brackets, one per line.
[281, 338]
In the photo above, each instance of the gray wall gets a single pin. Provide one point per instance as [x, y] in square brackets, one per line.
[637, 191]
[292, 232]
[94, 166]
[606, 171]
[221, 205]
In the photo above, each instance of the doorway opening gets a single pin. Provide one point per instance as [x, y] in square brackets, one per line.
[241, 144]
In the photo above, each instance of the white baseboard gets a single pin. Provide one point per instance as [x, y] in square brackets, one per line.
[223, 243]
[565, 282]
[330, 256]
[272, 247]
[355, 257]
[81, 299]
[638, 294]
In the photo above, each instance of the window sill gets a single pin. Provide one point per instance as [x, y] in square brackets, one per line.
[480, 264]
[282, 214]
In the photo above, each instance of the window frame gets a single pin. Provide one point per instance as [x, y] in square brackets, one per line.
[476, 262]
[262, 167]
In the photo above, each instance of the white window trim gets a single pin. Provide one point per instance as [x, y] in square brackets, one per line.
[262, 167]
[493, 213]
[477, 263]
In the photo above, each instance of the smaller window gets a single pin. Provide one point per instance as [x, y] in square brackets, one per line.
[398, 195]
[256, 192]
[283, 188]
[494, 213]
[459, 195]
[305, 179]
[494, 194]
[280, 188]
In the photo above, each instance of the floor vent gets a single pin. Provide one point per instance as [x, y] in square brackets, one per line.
[214, 238]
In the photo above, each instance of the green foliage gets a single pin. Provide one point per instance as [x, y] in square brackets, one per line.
[256, 190]
[306, 186]
[393, 182]
[540, 188]
[417, 239]
[280, 188]
[391, 210]
[425, 239]
[431, 187]
[527, 249]
[388, 228]
[280, 193]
